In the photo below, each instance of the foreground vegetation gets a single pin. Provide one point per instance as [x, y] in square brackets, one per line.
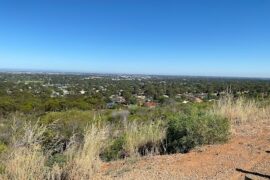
[64, 126]
[73, 144]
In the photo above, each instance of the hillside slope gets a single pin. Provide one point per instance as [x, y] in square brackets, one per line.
[247, 151]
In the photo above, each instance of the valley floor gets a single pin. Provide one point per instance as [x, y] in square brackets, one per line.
[246, 154]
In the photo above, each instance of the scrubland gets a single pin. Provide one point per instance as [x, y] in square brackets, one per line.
[74, 144]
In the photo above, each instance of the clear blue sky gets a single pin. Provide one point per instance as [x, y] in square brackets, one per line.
[183, 37]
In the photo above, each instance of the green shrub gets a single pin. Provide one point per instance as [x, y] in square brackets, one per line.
[59, 159]
[3, 147]
[2, 169]
[113, 151]
[195, 128]
[68, 116]
[62, 126]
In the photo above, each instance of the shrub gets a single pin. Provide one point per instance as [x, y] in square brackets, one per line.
[63, 125]
[187, 131]
[68, 117]
[114, 150]
[58, 159]
[3, 147]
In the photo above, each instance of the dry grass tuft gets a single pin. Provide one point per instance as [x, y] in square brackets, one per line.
[241, 110]
[26, 163]
[84, 161]
[139, 135]
[26, 159]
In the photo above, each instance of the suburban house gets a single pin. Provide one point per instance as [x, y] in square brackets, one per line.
[140, 99]
[117, 99]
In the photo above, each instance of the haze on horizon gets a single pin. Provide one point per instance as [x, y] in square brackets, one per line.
[206, 38]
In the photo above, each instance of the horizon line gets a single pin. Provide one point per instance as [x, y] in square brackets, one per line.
[43, 71]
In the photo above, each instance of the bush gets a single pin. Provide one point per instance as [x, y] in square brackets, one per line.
[63, 125]
[58, 159]
[114, 151]
[3, 147]
[196, 128]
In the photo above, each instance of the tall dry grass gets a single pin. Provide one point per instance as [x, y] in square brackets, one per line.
[148, 137]
[84, 161]
[26, 159]
[241, 110]
[25, 163]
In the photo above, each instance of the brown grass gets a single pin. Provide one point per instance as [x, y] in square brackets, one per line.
[241, 110]
[27, 161]
[84, 161]
[138, 135]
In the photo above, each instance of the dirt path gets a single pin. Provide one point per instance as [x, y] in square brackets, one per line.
[247, 151]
